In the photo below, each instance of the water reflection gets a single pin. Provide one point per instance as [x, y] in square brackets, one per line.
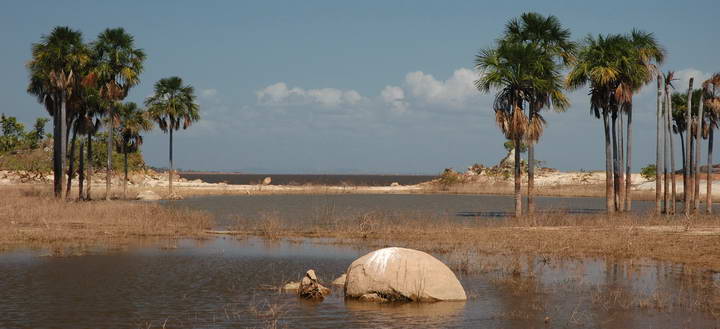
[223, 283]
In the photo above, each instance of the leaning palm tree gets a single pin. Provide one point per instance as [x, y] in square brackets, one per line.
[172, 106]
[517, 71]
[132, 122]
[118, 65]
[56, 59]
[548, 35]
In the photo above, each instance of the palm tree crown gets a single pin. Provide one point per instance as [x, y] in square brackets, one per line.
[173, 104]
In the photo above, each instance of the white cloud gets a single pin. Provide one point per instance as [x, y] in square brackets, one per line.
[454, 92]
[280, 94]
[683, 78]
[208, 93]
[395, 96]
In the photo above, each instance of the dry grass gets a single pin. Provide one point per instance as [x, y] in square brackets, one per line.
[31, 217]
[694, 242]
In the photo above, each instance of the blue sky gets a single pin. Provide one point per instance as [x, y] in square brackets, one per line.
[362, 86]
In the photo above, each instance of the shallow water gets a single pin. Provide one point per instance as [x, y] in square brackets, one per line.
[228, 283]
[304, 208]
[302, 179]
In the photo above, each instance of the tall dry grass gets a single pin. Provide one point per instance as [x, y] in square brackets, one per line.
[31, 217]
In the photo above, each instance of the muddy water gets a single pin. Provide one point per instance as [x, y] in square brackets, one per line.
[302, 208]
[230, 283]
[225, 283]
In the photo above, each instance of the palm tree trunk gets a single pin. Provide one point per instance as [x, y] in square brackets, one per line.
[125, 179]
[88, 196]
[698, 145]
[686, 165]
[691, 177]
[658, 161]
[518, 177]
[171, 164]
[621, 161]
[108, 174]
[666, 160]
[673, 197]
[628, 172]
[63, 140]
[531, 169]
[71, 164]
[708, 196]
[57, 156]
[616, 164]
[81, 170]
[609, 192]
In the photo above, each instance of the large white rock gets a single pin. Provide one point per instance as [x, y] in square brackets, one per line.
[402, 274]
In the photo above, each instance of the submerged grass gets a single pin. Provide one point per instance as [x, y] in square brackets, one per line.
[31, 217]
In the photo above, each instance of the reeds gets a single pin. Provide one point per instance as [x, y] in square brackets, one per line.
[31, 217]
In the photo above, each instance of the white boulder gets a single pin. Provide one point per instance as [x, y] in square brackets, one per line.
[402, 274]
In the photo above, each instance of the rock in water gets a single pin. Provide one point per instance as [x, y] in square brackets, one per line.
[340, 281]
[148, 196]
[310, 287]
[402, 274]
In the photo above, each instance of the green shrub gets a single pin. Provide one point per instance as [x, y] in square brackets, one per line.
[649, 172]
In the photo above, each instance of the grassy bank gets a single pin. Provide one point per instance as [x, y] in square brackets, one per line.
[694, 242]
[31, 217]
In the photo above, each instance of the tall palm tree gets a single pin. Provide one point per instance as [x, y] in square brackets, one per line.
[615, 67]
[639, 68]
[688, 151]
[55, 61]
[712, 102]
[118, 65]
[597, 65]
[172, 106]
[133, 121]
[517, 71]
[669, 77]
[548, 35]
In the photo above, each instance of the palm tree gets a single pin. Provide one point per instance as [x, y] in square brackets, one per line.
[133, 121]
[669, 77]
[519, 72]
[547, 34]
[172, 106]
[688, 151]
[118, 65]
[615, 66]
[55, 61]
[713, 114]
[597, 65]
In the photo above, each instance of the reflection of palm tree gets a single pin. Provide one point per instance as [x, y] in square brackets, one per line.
[173, 106]
[118, 65]
[133, 121]
[56, 60]
[549, 36]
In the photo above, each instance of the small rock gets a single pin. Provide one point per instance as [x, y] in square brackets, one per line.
[375, 298]
[395, 184]
[175, 196]
[148, 196]
[292, 286]
[310, 288]
[267, 181]
[340, 281]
